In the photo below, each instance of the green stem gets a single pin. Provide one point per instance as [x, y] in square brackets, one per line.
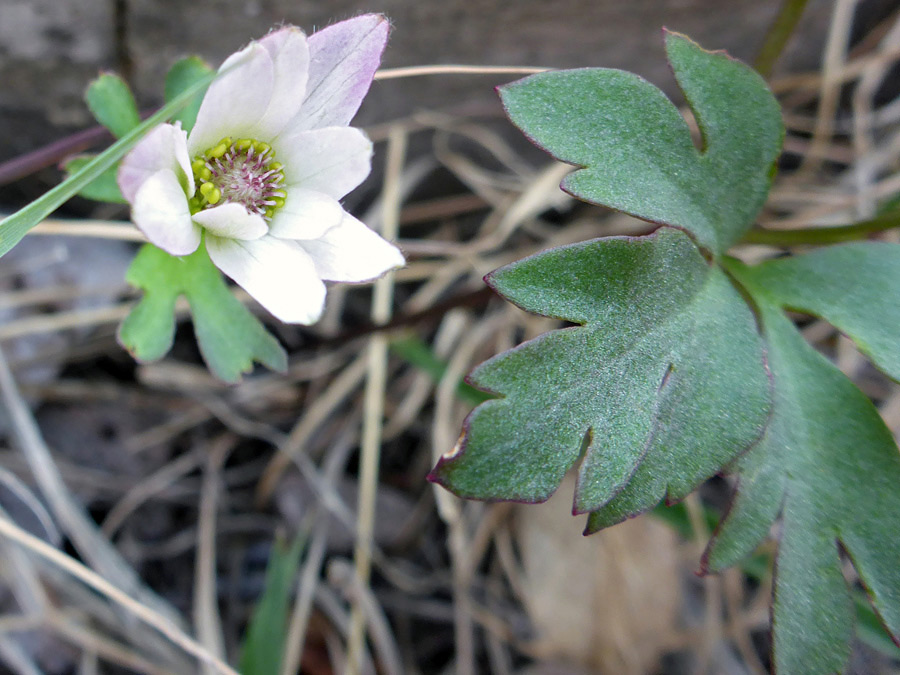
[779, 33]
[16, 226]
[824, 235]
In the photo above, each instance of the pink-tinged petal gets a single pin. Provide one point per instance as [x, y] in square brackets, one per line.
[306, 214]
[277, 273]
[352, 252]
[236, 100]
[164, 147]
[333, 160]
[161, 212]
[290, 58]
[343, 61]
[232, 221]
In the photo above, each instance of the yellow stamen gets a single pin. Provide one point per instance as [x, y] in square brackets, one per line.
[214, 196]
[218, 151]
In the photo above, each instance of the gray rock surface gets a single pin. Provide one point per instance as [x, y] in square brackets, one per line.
[51, 49]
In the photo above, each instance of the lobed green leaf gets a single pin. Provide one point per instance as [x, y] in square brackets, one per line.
[229, 336]
[17, 225]
[666, 370]
[104, 188]
[829, 465]
[855, 287]
[636, 148]
[183, 76]
[663, 381]
[110, 100]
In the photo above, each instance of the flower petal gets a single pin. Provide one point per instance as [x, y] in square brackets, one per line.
[236, 100]
[232, 221]
[306, 214]
[161, 212]
[343, 61]
[164, 147]
[290, 58]
[352, 252]
[277, 273]
[333, 160]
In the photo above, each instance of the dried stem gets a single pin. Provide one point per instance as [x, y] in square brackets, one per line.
[373, 405]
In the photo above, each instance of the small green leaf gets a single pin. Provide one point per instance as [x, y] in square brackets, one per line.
[854, 287]
[264, 641]
[830, 466]
[870, 630]
[666, 370]
[182, 76]
[17, 225]
[636, 148]
[104, 188]
[111, 102]
[229, 336]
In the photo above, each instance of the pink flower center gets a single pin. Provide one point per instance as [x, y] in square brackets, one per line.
[239, 172]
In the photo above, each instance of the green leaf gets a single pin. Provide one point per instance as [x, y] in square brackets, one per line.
[104, 188]
[854, 287]
[17, 225]
[229, 336]
[666, 370]
[830, 466]
[263, 647]
[636, 148]
[870, 630]
[111, 102]
[183, 76]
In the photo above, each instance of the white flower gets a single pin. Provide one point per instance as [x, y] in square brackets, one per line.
[260, 175]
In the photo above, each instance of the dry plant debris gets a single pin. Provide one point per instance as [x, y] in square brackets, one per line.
[172, 488]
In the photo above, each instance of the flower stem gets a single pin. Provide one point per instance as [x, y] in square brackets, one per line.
[825, 235]
[779, 33]
[373, 408]
[48, 155]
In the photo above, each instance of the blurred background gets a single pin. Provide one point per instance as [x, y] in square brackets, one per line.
[51, 49]
[183, 491]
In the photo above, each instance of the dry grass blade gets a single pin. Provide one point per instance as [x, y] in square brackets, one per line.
[868, 165]
[206, 607]
[464, 587]
[336, 392]
[94, 642]
[373, 402]
[308, 579]
[68, 512]
[346, 579]
[443, 437]
[151, 485]
[418, 71]
[152, 618]
[16, 657]
[834, 59]
[99, 229]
